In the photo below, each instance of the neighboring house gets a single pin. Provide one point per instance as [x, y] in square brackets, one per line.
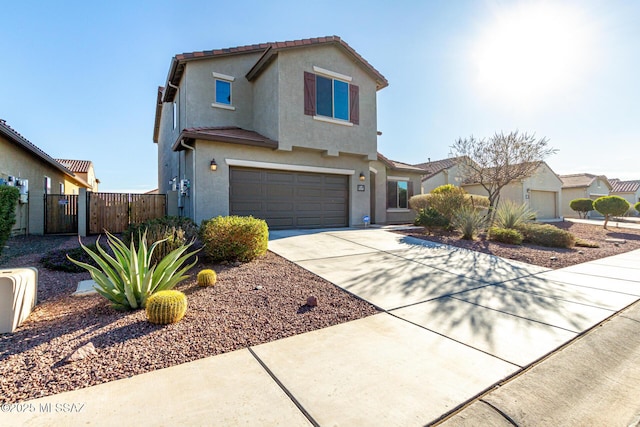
[440, 172]
[541, 191]
[82, 169]
[35, 173]
[282, 131]
[583, 186]
[394, 182]
[628, 190]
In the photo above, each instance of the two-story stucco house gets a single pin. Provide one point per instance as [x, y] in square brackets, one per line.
[82, 169]
[282, 131]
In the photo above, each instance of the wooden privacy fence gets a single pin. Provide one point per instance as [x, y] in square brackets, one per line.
[115, 211]
[60, 213]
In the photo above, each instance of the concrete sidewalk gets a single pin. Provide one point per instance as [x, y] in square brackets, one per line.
[454, 323]
[629, 222]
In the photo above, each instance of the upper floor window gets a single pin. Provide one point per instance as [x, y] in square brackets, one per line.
[331, 95]
[175, 114]
[223, 93]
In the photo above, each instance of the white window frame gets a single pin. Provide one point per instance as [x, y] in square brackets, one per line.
[334, 76]
[397, 179]
[224, 78]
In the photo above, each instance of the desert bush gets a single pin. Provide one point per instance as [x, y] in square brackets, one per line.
[419, 202]
[173, 231]
[582, 206]
[447, 199]
[430, 217]
[510, 214]
[505, 235]
[586, 244]
[546, 235]
[468, 221]
[476, 201]
[57, 259]
[8, 198]
[610, 206]
[129, 278]
[637, 207]
[234, 238]
[446, 189]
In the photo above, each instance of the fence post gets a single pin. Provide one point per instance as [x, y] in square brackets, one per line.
[82, 212]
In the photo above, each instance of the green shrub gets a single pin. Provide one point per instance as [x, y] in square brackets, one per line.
[637, 207]
[430, 217]
[446, 189]
[8, 198]
[468, 221]
[510, 214]
[447, 199]
[419, 202]
[476, 201]
[57, 259]
[582, 206]
[234, 238]
[505, 235]
[173, 231]
[610, 206]
[546, 235]
[129, 278]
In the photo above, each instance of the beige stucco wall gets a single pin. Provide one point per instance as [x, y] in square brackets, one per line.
[596, 189]
[444, 177]
[15, 161]
[391, 216]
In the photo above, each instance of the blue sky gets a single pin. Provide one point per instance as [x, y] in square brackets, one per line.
[79, 78]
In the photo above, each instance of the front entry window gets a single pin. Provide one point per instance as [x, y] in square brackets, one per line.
[397, 195]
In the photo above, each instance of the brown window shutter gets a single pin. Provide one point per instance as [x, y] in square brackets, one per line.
[354, 107]
[410, 189]
[309, 94]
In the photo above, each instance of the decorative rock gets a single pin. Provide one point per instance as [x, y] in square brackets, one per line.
[553, 258]
[580, 252]
[312, 301]
[237, 263]
[257, 288]
[82, 353]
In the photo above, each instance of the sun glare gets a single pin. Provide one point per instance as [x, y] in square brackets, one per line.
[531, 51]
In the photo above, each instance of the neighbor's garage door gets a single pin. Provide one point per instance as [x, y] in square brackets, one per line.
[290, 199]
[544, 203]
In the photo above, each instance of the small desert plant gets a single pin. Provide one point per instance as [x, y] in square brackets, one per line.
[419, 202]
[586, 244]
[468, 221]
[234, 238]
[505, 235]
[546, 235]
[166, 307]
[582, 206]
[129, 277]
[510, 214]
[637, 207]
[173, 231]
[8, 198]
[207, 278]
[610, 206]
[430, 218]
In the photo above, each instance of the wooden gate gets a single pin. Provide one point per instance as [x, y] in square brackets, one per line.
[115, 211]
[60, 213]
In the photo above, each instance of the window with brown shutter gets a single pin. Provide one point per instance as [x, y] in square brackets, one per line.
[309, 94]
[354, 107]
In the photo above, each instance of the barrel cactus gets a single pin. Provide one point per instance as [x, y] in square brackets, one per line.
[207, 278]
[166, 307]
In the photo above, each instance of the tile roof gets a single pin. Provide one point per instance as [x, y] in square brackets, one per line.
[581, 180]
[80, 166]
[624, 186]
[230, 134]
[392, 164]
[269, 50]
[13, 135]
[437, 166]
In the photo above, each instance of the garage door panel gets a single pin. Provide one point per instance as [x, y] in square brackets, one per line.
[290, 199]
[544, 203]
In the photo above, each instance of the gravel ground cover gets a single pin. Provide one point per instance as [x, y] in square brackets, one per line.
[543, 256]
[251, 304]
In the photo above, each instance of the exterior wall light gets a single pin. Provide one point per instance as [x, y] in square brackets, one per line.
[362, 177]
[214, 165]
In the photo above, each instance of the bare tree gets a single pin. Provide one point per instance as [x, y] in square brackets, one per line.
[495, 162]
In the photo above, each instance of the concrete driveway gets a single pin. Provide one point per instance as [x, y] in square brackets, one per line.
[454, 323]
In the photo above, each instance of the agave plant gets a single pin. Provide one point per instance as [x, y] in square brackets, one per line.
[128, 278]
[510, 214]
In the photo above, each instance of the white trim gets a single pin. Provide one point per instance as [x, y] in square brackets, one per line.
[332, 120]
[288, 167]
[223, 106]
[398, 210]
[332, 74]
[398, 178]
[223, 77]
[374, 170]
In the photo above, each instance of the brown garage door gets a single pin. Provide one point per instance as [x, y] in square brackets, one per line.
[544, 203]
[290, 199]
